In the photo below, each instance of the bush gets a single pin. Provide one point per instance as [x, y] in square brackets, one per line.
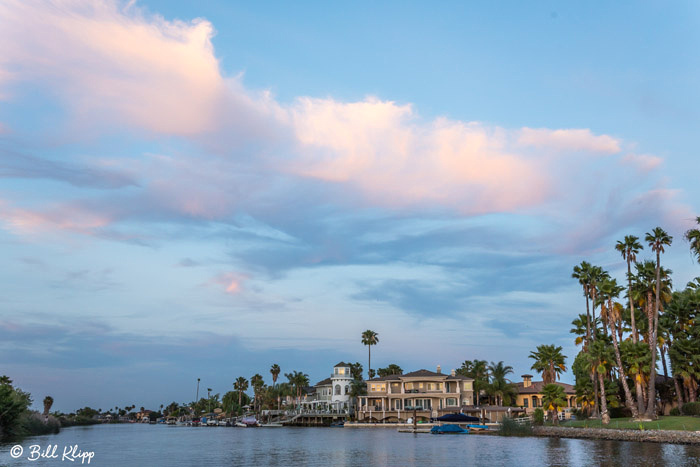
[580, 414]
[539, 417]
[33, 423]
[510, 427]
[691, 408]
[620, 412]
[675, 412]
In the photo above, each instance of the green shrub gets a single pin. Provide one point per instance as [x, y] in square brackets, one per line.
[675, 412]
[580, 414]
[539, 417]
[691, 408]
[33, 423]
[510, 427]
[620, 412]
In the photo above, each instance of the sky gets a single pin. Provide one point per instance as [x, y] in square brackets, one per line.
[202, 189]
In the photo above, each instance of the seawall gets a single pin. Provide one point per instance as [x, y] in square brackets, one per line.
[652, 436]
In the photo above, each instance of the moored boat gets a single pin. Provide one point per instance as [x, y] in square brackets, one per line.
[448, 429]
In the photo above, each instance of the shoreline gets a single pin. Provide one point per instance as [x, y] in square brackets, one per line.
[649, 436]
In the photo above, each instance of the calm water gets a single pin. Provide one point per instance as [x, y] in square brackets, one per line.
[219, 446]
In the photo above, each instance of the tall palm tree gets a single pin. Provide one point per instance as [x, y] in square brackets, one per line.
[657, 240]
[597, 275]
[609, 291]
[240, 385]
[48, 402]
[257, 382]
[370, 338]
[629, 248]
[583, 274]
[693, 236]
[274, 371]
[549, 361]
[599, 357]
[298, 380]
[500, 387]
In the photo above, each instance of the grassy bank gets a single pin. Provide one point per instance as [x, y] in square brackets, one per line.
[663, 423]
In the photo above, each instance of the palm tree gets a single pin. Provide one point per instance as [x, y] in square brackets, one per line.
[274, 371]
[583, 274]
[599, 358]
[240, 385]
[257, 382]
[553, 398]
[549, 361]
[610, 290]
[477, 369]
[392, 369]
[657, 240]
[48, 402]
[693, 237]
[500, 387]
[597, 275]
[298, 380]
[370, 338]
[629, 249]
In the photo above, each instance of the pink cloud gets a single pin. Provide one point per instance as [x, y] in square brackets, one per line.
[382, 149]
[57, 218]
[231, 282]
[105, 61]
[568, 140]
[643, 162]
[109, 63]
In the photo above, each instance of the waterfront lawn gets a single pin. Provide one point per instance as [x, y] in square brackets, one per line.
[663, 423]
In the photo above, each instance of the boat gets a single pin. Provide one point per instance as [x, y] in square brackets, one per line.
[171, 421]
[247, 422]
[448, 429]
[337, 424]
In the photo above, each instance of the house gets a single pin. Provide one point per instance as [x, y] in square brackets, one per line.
[427, 394]
[530, 395]
[332, 394]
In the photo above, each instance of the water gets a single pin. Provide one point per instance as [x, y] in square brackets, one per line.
[219, 446]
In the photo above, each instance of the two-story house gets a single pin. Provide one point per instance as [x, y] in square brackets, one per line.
[395, 398]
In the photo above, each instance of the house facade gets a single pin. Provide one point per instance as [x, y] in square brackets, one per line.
[530, 395]
[331, 394]
[423, 394]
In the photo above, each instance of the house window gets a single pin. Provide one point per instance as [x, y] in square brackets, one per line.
[397, 404]
[340, 371]
[467, 385]
[347, 389]
[451, 401]
[534, 401]
[409, 385]
[378, 387]
[525, 403]
[337, 389]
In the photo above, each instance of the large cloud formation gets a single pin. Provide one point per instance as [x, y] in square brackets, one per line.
[114, 66]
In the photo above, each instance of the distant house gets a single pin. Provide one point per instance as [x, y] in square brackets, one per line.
[530, 395]
[395, 398]
[331, 394]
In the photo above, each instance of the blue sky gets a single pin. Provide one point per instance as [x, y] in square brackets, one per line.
[202, 190]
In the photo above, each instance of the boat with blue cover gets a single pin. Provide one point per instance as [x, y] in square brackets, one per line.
[448, 429]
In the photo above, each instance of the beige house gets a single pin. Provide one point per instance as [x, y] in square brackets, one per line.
[530, 395]
[395, 398]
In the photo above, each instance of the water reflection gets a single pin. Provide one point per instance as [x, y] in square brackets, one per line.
[182, 446]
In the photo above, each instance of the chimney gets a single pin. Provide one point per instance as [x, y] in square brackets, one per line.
[439, 369]
[453, 372]
[527, 381]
